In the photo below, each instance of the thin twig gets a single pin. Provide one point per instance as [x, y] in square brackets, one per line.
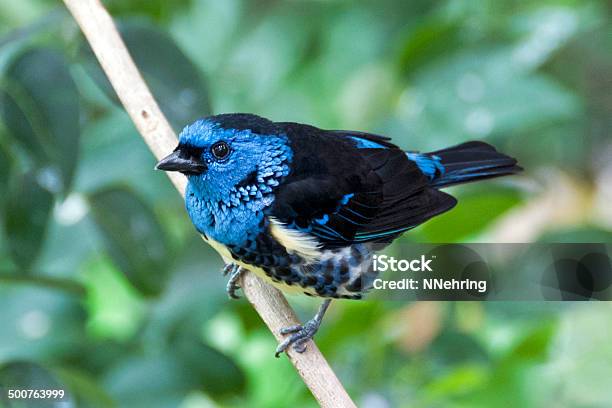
[106, 43]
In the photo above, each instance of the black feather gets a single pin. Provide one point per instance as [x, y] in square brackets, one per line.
[245, 121]
[472, 161]
[363, 195]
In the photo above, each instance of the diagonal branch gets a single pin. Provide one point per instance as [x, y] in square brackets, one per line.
[107, 45]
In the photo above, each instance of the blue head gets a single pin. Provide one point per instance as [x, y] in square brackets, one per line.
[233, 163]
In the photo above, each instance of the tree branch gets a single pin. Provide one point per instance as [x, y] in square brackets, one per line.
[107, 45]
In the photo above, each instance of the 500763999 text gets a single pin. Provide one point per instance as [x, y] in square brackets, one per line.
[27, 394]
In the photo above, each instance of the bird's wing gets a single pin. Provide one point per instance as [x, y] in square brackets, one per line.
[342, 191]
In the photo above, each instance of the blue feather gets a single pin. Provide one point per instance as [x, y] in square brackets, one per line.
[429, 165]
[366, 144]
[220, 206]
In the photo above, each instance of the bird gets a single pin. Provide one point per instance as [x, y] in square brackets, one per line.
[306, 208]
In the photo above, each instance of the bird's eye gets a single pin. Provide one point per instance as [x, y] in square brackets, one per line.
[220, 150]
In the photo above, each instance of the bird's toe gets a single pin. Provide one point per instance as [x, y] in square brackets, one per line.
[232, 284]
[230, 268]
[291, 329]
[300, 334]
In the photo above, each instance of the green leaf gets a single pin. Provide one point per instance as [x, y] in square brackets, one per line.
[120, 318]
[453, 347]
[157, 9]
[5, 170]
[534, 346]
[461, 380]
[474, 212]
[134, 238]
[479, 94]
[26, 217]
[148, 381]
[40, 108]
[45, 324]
[214, 372]
[172, 77]
[428, 41]
[85, 390]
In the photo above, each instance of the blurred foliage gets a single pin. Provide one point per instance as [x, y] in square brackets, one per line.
[177, 85]
[133, 237]
[106, 291]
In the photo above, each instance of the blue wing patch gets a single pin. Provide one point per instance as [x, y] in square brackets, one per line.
[367, 144]
[431, 166]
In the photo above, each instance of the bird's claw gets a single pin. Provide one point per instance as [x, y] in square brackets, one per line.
[234, 272]
[229, 268]
[300, 334]
[291, 329]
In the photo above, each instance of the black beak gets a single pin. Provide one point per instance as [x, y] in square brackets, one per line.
[181, 161]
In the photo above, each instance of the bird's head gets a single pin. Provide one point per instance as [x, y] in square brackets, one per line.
[222, 153]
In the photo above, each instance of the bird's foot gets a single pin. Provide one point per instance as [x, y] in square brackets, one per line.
[229, 268]
[300, 334]
[234, 272]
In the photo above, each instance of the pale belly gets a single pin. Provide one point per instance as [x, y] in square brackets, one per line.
[227, 258]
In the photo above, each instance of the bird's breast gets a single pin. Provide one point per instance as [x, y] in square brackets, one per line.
[226, 224]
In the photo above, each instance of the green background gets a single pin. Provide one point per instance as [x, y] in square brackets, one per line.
[107, 291]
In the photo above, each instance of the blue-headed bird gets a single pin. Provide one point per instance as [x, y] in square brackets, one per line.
[305, 208]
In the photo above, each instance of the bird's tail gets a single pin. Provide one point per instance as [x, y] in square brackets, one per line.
[464, 163]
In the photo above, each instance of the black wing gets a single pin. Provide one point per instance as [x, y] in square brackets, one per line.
[342, 193]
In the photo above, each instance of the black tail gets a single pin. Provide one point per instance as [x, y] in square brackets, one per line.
[471, 161]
